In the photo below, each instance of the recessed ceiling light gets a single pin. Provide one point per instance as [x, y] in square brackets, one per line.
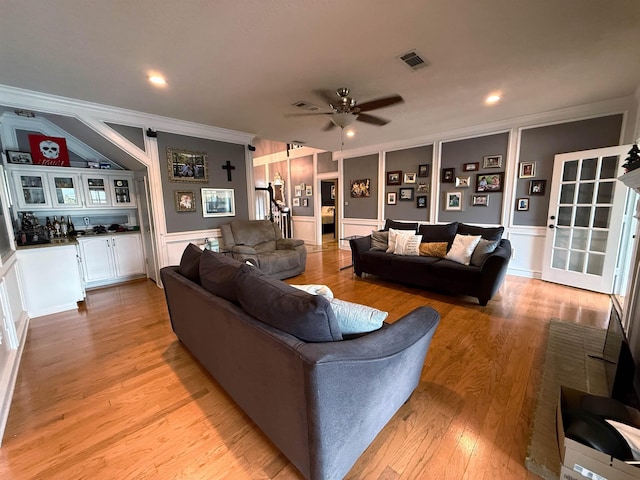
[157, 80]
[350, 133]
[493, 98]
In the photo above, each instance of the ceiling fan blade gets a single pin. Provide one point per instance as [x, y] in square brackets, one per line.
[329, 126]
[306, 114]
[379, 103]
[328, 96]
[372, 119]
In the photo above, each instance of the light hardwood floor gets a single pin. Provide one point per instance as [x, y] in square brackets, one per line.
[107, 392]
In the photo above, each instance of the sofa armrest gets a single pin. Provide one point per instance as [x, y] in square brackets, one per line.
[494, 269]
[288, 243]
[359, 246]
[243, 250]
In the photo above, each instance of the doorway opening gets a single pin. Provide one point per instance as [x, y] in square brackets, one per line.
[328, 212]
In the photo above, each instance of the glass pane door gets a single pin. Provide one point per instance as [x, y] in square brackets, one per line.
[65, 191]
[33, 193]
[97, 191]
[122, 192]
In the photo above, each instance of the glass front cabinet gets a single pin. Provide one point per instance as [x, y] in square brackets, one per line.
[39, 188]
[31, 190]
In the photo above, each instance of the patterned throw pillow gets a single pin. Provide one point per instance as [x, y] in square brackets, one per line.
[408, 245]
[433, 249]
[393, 234]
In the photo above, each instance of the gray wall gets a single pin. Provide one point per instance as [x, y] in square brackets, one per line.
[541, 144]
[407, 161]
[472, 150]
[326, 164]
[217, 155]
[359, 168]
[134, 134]
[302, 172]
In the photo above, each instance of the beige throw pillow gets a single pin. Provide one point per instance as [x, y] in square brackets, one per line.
[462, 248]
[408, 245]
[433, 249]
[393, 233]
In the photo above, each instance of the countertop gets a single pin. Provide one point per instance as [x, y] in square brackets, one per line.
[59, 242]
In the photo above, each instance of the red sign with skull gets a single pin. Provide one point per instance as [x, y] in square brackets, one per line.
[51, 151]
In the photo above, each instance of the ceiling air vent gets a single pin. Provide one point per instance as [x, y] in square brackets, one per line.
[413, 60]
[307, 106]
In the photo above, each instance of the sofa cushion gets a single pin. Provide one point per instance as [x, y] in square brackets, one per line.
[433, 249]
[408, 245]
[393, 234]
[354, 318]
[279, 261]
[462, 248]
[400, 225]
[253, 232]
[488, 233]
[217, 274]
[379, 240]
[483, 250]
[439, 233]
[298, 313]
[190, 263]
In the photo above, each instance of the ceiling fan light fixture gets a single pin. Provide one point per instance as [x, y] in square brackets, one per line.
[342, 119]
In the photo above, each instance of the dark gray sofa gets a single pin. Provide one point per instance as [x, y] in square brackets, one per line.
[260, 242]
[319, 398]
[438, 274]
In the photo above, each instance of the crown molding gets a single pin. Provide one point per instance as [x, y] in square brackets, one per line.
[28, 99]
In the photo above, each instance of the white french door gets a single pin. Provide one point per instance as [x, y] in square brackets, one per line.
[585, 219]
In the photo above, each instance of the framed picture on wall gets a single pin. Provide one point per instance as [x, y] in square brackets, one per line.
[361, 188]
[185, 201]
[423, 170]
[423, 188]
[406, 194]
[305, 202]
[453, 201]
[471, 167]
[410, 177]
[527, 169]
[492, 161]
[480, 201]
[23, 158]
[392, 198]
[421, 201]
[187, 166]
[308, 191]
[297, 191]
[537, 187]
[296, 201]
[448, 175]
[489, 182]
[394, 178]
[522, 204]
[463, 182]
[218, 202]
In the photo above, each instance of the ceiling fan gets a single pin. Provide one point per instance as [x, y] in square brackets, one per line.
[345, 110]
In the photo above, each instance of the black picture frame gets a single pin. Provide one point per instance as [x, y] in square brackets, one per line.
[489, 182]
[424, 170]
[537, 187]
[21, 158]
[448, 175]
[421, 201]
[406, 194]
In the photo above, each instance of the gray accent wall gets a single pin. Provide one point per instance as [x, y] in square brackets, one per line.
[217, 155]
[326, 163]
[472, 150]
[407, 161]
[302, 172]
[360, 168]
[541, 144]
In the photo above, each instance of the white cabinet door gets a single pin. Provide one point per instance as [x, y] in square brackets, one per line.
[31, 188]
[96, 190]
[97, 259]
[128, 256]
[65, 190]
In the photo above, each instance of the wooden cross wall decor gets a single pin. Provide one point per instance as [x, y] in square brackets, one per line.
[228, 167]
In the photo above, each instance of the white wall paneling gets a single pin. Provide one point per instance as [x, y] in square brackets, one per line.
[304, 228]
[175, 243]
[528, 251]
[353, 226]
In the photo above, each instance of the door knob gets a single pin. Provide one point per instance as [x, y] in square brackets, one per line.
[552, 226]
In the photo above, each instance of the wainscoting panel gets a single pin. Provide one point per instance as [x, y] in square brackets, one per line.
[362, 227]
[175, 243]
[528, 251]
[304, 228]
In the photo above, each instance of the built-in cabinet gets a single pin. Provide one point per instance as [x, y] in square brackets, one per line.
[111, 258]
[42, 188]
